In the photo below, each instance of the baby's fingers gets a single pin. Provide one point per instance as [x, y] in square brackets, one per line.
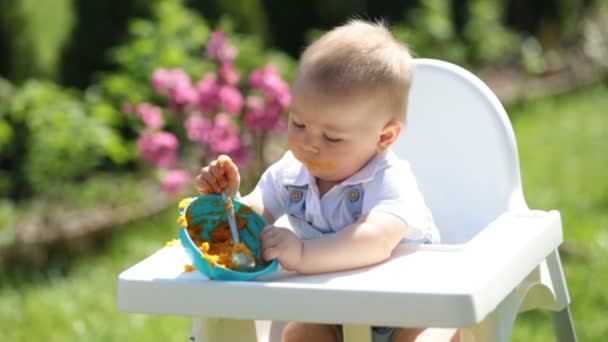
[270, 253]
[217, 171]
[202, 186]
[272, 239]
[268, 232]
[231, 172]
[211, 181]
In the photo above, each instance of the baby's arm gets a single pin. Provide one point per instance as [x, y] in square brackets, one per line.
[258, 207]
[368, 241]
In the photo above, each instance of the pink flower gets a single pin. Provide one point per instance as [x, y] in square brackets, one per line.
[231, 99]
[229, 74]
[223, 138]
[219, 48]
[161, 81]
[208, 89]
[198, 127]
[175, 180]
[127, 108]
[151, 115]
[158, 148]
[176, 84]
[184, 93]
[268, 80]
[263, 116]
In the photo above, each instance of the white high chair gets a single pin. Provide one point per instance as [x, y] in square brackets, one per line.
[497, 257]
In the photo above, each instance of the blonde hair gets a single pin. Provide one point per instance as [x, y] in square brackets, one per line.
[358, 58]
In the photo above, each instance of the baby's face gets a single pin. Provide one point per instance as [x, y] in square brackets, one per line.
[333, 137]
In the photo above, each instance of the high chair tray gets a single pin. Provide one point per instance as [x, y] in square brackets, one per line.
[420, 285]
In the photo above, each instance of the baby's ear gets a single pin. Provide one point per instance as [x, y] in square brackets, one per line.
[389, 134]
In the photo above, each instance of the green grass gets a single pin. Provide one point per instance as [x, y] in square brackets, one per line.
[563, 145]
[75, 300]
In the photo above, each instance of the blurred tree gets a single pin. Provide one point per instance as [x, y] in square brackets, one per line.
[99, 26]
[289, 30]
[246, 15]
[4, 41]
[552, 21]
[32, 32]
[391, 11]
[460, 15]
[17, 57]
[290, 26]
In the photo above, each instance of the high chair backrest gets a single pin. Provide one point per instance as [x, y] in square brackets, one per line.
[461, 146]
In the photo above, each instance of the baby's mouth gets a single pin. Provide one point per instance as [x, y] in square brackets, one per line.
[313, 165]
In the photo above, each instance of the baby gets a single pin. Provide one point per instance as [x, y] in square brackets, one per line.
[349, 200]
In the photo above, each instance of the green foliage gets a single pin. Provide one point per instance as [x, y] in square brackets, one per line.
[50, 135]
[430, 31]
[6, 131]
[35, 32]
[56, 137]
[98, 26]
[172, 38]
[175, 36]
[595, 34]
[489, 39]
[249, 15]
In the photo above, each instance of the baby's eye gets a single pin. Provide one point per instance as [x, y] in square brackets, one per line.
[297, 125]
[332, 140]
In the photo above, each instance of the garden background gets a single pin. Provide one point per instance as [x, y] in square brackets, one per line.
[108, 108]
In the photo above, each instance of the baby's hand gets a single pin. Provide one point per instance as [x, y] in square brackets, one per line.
[282, 244]
[218, 175]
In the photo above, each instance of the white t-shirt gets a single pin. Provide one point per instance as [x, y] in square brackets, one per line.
[388, 186]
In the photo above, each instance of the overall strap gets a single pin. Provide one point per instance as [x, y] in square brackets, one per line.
[296, 199]
[354, 199]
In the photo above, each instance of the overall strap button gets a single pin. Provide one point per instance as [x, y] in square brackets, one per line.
[296, 195]
[353, 195]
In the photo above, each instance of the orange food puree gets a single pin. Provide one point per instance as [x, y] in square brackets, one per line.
[219, 250]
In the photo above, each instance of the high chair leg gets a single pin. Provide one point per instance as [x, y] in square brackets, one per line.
[498, 325]
[562, 320]
[216, 329]
[357, 333]
[563, 325]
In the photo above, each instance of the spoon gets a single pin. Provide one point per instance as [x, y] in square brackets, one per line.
[241, 261]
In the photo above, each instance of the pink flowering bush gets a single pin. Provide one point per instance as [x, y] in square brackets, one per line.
[221, 112]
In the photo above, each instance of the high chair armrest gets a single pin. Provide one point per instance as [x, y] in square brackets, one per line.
[508, 249]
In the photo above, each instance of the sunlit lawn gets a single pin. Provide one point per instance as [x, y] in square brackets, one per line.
[563, 146]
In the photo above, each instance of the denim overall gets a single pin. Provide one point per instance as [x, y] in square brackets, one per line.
[296, 208]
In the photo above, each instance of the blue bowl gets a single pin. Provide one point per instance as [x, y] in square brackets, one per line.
[209, 210]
